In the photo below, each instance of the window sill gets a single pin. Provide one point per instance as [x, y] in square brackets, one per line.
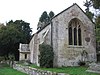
[73, 46]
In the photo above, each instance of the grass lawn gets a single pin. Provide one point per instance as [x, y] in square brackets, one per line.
[69, 70]
[6, 70]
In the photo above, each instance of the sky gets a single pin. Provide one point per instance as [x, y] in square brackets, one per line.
[31, 10]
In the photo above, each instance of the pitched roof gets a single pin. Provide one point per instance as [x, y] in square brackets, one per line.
[24, 48]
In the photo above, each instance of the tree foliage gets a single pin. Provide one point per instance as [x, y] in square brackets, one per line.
[11, 35]
[51, 14]
[96, 4]
[23, 27]
[90, 14]
[97, 21]
[45, 19]
[87, 4]
[46, 55]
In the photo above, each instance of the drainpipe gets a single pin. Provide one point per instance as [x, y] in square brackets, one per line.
[51, 33]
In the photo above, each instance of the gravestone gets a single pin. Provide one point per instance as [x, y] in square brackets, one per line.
[94, 67]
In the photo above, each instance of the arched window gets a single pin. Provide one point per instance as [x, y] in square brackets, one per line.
[79, 37]
[75, 36]
[70, 36]
[74, 32]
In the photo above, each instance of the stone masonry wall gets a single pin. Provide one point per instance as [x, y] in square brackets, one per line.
[33, 71]
[66, 55]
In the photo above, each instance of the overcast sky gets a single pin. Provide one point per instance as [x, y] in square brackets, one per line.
[31, 10]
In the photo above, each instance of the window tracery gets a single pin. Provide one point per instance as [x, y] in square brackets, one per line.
[75, 33]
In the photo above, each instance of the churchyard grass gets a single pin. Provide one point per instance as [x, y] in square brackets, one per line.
[69, 70]
[6, 70]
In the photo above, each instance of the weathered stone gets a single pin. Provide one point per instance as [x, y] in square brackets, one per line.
[56, 34]
[34, 71]
[24, 52]
[94, 67]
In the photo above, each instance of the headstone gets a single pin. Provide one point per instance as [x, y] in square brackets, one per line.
[94, 67]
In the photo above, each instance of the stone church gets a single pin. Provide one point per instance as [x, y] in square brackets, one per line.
[71, 33]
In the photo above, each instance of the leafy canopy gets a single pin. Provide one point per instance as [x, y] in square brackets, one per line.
[11, 35]
[45, 19]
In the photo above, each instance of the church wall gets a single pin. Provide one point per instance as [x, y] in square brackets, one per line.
[31, 46]
[55, 41]
[39, 39]
[33, 49]
[22, 57]
[45, 35]
[66, 55]
[28, 56]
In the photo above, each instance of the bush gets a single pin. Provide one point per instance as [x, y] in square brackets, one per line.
[2, 58]
[81, 63]
[46, 55]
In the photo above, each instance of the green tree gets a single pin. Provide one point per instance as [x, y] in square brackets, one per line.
[96, 4]
[1, 25]
[97, 21]
[51, 14]
[44, 19]
[11, 35]
[90, 14]
[87, 4]
[23, 27]
[10, 38]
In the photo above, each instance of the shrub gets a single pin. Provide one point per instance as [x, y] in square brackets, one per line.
[46, 55]
[2, 58]
[81, 63]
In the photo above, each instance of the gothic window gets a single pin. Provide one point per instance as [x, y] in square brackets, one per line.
[75, 36]
[79, 37]
[74, 32]
[70, 36]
